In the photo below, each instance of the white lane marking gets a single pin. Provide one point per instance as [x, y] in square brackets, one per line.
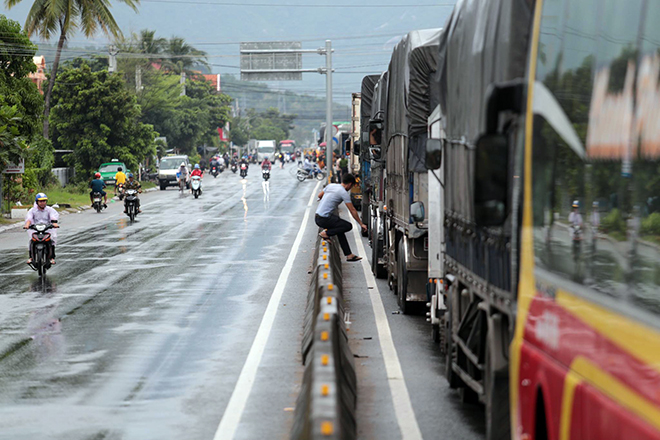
[405, 415]
[234, 411]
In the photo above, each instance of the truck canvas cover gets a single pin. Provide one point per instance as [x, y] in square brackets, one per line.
[367, 93]
[476, 51]
[413, 61]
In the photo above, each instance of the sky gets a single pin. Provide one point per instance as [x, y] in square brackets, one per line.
[362, 33]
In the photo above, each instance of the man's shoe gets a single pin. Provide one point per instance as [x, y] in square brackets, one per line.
[52, 261]
[105, 206]
[29, 261]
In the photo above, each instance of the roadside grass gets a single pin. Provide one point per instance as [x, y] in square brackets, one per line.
[147, 184]
[67, 196]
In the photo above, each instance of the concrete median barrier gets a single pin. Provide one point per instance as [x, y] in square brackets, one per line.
[328, 397]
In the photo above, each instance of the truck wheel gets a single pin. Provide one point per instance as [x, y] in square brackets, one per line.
[402, 280]
[496, 391]
[163, 185]
[451, 376]
[366, 216]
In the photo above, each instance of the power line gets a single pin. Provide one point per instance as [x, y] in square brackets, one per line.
[283, 5]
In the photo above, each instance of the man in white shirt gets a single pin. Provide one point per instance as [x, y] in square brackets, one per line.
[330, 198]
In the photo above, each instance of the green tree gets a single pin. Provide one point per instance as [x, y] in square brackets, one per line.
[98, 118]
[64, 16]
[186, 121]
[182, 57]
[16, 89]
[239, 132]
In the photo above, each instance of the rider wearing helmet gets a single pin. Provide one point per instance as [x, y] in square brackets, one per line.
[266, 164]
[133, 184]
[97, 186]
[42, 214]
[120, 178]
[197, 171]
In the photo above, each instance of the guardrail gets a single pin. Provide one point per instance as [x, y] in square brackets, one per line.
[328, 396]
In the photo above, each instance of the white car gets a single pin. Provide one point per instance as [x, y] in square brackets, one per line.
[167, 169]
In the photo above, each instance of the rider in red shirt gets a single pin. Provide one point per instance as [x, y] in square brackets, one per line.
[197, 171]
[266, 164]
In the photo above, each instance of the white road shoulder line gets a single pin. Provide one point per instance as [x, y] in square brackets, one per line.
[405, 415]
[234, 411]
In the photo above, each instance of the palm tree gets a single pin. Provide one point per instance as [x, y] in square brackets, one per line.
[182, 56]
[49, 16]
[149, 44]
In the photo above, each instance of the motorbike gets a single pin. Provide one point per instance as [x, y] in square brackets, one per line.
[314, 173]
[120, 191]
[244, 170]
[196, 185]
[97, 201]
[265, 173]
[215, 171]
[41, 248]
[131, 203]
[234, 168]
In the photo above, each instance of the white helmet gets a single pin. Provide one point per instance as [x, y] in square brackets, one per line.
[183, 164]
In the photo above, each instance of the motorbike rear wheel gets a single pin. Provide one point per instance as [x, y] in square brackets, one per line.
[320, 176]
[301, 176]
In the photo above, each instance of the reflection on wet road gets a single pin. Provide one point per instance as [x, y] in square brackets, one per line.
[140, 330]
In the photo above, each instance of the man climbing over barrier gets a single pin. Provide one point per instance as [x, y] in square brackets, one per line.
[330, 198]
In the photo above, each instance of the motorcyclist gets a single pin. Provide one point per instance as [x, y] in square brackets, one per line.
[183, 172]
[197, 171]
[307, 165]
[266, 164]
[42, 214]
[214, 162]
[120, 178]
[97, 185]
[133, 184]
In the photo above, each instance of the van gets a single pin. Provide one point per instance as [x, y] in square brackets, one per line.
[167, 169]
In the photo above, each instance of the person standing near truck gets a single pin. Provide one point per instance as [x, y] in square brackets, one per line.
[330, 198]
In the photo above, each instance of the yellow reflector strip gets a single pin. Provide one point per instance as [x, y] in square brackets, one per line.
[325, 390]
[327, 266]
[325, 257]
[324, 336]
[330, 286]
[325, 276]
[326, 316]
[327, 428]
[325, 359]
[329, 300]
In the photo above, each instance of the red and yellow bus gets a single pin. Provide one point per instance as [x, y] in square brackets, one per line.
[585, 356]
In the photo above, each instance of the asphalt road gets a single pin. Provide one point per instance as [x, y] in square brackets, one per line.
[141, 330]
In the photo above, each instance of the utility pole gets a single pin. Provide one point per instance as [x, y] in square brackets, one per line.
[183, 83]
[112, 58]
[138, 79]
[328, 108]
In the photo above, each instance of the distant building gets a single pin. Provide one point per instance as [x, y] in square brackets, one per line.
[214, 79]
[39, 76]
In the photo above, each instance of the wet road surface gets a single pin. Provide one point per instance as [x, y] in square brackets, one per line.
[142, 329]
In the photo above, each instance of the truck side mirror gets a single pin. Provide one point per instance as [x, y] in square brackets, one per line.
[375, 131]
[433, 154]
[491, 180]
[375, 153]
[417, 212]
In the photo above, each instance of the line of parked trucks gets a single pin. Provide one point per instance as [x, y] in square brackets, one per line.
[478, 146]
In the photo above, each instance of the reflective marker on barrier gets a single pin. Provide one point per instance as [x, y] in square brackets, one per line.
[325, 257]
[330, 287]
[326, 316]
[326, 266]
[325, 390]
[324, 336]
[325, 359]
[323, 242]
[327, 428]
[325, 276]
[329, 299]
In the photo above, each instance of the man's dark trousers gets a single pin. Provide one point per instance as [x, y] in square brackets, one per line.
[336, 226]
